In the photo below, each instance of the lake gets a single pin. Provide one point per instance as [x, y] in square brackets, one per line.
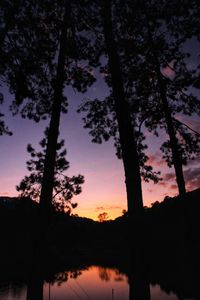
[93, 282]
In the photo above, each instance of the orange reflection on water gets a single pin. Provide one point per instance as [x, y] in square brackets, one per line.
[93, 283]
[98, 283]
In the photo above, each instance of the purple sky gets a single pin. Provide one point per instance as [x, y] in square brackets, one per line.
[104, 188]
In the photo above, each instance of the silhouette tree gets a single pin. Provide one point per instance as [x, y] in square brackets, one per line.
[78, 77]
[156, 83]
[41, 54]
[122, 121]
[25, 52]
[103, 217]
[163, 86]
[126, 130]
[49, 163]
[64, 187]
[112, 117]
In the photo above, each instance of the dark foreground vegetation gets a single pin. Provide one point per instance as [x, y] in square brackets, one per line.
[74, 243]
[170, 226]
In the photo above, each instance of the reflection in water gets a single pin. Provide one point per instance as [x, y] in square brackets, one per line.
[95, 282]
[35, 289]
[138, 287]
[157, 294]
[12, 291]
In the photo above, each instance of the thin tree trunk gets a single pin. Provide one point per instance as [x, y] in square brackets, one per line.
[126, 130]
[49, 164]
[176, 159]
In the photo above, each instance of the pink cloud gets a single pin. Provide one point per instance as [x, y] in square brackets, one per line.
[163, 184]
[169, 176]
[5, 194]
[173, 187]
[191, 176]
[156, 160]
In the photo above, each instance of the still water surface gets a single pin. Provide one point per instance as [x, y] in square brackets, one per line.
[94, 283]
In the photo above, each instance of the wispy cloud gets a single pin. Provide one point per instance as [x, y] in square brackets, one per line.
[108, 207]
[173, 186]
[191, 122]
[194, 162]
[100, 208]
[169, 176]
[191, 175]
[162, 184]
[192, 178]
[114, 207]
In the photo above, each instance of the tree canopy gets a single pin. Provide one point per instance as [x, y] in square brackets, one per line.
[139, 49]
[157, 79]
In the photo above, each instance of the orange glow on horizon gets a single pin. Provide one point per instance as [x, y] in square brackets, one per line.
[91, 203]
[109, 194]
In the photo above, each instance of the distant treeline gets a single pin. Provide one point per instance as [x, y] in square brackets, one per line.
[167, 221]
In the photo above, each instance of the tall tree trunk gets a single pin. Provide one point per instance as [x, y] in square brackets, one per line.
[176, 159]
[138, 288]
[126, 130]
[50, 158]
[49, 164]
[35, 288]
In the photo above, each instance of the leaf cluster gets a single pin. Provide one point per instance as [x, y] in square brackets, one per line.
[65, 187]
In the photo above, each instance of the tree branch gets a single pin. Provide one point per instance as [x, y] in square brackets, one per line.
[190, 128]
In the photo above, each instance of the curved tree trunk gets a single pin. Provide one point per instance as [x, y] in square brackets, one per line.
[126, 130]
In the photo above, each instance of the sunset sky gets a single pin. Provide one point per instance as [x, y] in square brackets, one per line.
[104, 188]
